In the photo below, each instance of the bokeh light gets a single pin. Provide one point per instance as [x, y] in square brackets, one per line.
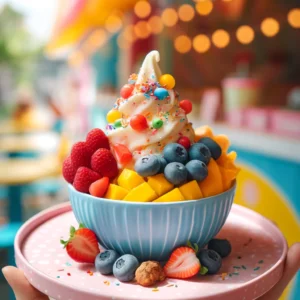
[201, 43]
[113, 23]
[294, 17]
[142, 9]
[221, 38]
[245, 34]
[270, 27]
[169, 17]
[204, 7]
[129, 34]
[186, 12]
[183, 44]
[96, 40]
[122, 42]
[76, 58]
[142, 30]
[156, 25]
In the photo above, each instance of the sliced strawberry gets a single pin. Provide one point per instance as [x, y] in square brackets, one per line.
[124, 156]
[99, 187]
[182, 264]
[82, 245]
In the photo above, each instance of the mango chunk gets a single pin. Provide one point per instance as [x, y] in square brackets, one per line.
[228, 176]
[191, 191]
[142, 193]
[213, 183]
[223, 141]
[115, 192]
[172, 196]
[129, 179]
[160, 184]
[203, 131]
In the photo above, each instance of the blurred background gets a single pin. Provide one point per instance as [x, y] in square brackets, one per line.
[62, 63]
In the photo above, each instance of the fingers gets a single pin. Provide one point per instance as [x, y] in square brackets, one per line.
[22, 288]
[292, 265]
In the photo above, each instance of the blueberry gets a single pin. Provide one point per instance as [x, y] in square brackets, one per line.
[176, 173]
[222, 247]
[213, 147]
[162, 162]
[175, 153]
[200, 152]
[124, 267]
[211, 260]
[197, 170]
[161, 93]
[147, 165]
[105, 260]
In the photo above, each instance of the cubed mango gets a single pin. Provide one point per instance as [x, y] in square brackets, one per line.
[160, 184]
[115, 192]
[129, 179]
[213, 183]
[172, 196]
[191, 191]
[141, 193]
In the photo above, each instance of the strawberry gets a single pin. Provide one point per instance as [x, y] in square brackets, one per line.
[95, 140]
[82, 246]
[99, 187]
[68, 170]
[104, 163]
[80, 156]
[122, 153]
[182, 264]
[84, 178]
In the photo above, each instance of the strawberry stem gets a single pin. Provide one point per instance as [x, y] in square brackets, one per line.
[195, 247]
[203, 270]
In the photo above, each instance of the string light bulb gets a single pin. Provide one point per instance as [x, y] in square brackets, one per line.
[142, 9]
[270, 27]
[221, 38]
[294, 17]
[142, 29]
[245, 34]
[201, 43]
[186, 12]
[156, 25]
[183, 44]
[169, 17]
[204, 7]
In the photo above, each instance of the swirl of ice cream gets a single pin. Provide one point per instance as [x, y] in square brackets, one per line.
[143, 102]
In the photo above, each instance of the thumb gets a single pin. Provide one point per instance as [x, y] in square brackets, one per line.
[292, 265]
[23, 290]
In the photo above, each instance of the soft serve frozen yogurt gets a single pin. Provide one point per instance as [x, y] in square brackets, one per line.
[157, 107]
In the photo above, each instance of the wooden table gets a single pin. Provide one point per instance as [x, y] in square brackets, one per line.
[16, 173]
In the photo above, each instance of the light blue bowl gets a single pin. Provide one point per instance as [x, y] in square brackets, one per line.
[151, 230]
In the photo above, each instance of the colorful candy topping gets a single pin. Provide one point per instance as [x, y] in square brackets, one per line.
[186, 105]
[185, 142]
[113, 116]
[161, 93]
[167, 81]
[126, 91]
[118, 123]
[157, 123]
[138, 123]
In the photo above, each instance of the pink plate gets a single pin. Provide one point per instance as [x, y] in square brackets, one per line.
[254, 266]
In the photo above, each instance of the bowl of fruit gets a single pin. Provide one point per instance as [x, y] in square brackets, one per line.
[160, 203]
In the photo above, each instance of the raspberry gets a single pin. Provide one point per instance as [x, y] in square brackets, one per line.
[84, 178]
[104, 163]
[68, 170]
[80, 156]
[95, 140]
